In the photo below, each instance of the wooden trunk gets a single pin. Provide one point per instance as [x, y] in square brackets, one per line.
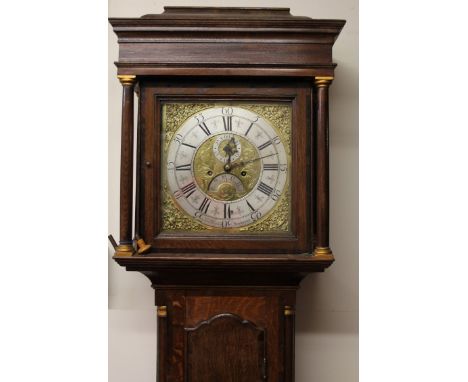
[226, 334]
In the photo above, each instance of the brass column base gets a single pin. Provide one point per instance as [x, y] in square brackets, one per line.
[142, 246]
[124, 250]
[323, 251]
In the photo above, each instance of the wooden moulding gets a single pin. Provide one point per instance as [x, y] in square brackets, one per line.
[225, 41]
[226, 269]
[149, 69]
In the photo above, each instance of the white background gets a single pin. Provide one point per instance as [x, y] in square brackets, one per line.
[413, 205]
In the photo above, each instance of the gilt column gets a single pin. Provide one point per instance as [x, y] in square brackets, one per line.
[322, 247]
[125, 247]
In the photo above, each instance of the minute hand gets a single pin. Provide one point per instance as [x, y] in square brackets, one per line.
[250, 161]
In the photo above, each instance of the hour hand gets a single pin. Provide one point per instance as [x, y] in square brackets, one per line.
[230, 148]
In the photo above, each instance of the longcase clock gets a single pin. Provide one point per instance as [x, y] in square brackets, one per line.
[231, 204]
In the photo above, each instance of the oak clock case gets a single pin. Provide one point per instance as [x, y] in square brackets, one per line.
[230, 171]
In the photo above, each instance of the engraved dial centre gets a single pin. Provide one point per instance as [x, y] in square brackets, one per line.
[224, 167]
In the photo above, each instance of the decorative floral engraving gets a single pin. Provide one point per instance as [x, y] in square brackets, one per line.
[279, 116]
[277, 220]
[175, 114]
[173, 219]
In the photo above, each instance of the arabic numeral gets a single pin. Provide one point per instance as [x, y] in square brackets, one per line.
[276, 140]
[275, 195]
[226, 223]
[227, 110]
[178, 138]
[200, 118]
[256, 215]
[170, 166]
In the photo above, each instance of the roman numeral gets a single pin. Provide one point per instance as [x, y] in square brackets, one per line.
[205, 205]
[227, 123]
[271, 167]
[183, 167]
[247, 132]
[189, 189]
[186, 144]
[265, 145]
[204, 128]
[227, 211]
[250, 206]
[265, 188]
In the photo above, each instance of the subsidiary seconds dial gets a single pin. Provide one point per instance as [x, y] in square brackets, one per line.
[227, 167]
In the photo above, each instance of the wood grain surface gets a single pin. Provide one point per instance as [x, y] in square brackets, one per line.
[225, 348]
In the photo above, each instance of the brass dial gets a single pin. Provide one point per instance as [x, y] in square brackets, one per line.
[227, 167]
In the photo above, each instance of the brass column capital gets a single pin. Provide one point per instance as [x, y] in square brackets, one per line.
[127, 79]
[323, 82]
